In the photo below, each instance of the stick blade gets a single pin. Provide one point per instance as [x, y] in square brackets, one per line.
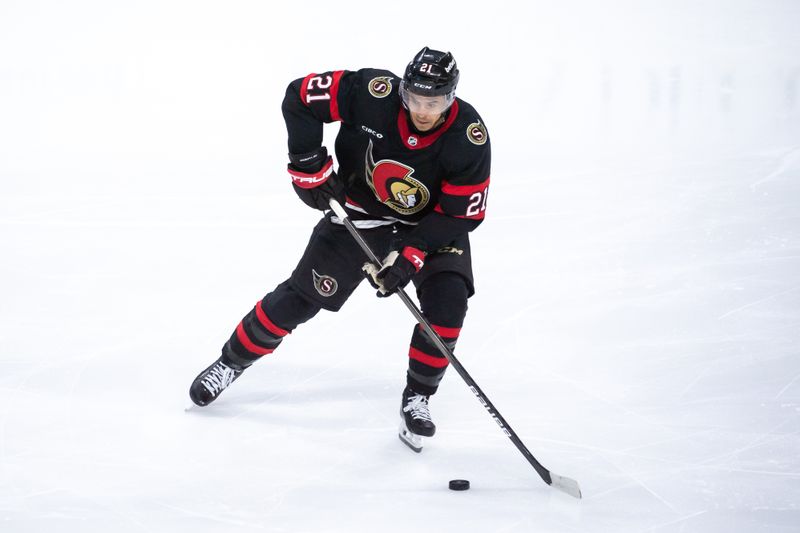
[565, 484]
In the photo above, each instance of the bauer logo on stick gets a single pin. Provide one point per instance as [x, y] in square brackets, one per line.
[324, 284]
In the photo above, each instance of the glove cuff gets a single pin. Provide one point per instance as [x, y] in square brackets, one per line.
[309, 180]
[415, 256]
[310, 161]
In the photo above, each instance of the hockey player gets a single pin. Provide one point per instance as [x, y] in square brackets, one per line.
[413, 175]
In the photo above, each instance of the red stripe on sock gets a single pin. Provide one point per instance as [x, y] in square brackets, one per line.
[435, 362]
[247, 343]
[267, 323]
[448, 333]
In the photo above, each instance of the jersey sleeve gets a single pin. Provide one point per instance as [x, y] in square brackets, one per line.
[465, 192]
[313, 101]
[463, 196]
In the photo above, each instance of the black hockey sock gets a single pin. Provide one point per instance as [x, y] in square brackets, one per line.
[254, 337]
[262, 330]
[443, 298]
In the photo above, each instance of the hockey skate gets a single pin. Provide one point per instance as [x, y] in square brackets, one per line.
[415, 420]
[210, 383]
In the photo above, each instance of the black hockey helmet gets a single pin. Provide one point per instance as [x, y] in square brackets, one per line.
[431, 73]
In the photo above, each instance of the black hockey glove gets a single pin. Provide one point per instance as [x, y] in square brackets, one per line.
[314, 179]
[396, 271]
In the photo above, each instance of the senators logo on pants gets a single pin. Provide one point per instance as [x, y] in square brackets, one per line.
[324, 284]
[393, 185]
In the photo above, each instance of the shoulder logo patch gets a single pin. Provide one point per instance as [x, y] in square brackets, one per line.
[476, 133]
[380, 87]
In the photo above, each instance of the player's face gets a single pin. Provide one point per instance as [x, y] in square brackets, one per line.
[425, 122]
[425, 111]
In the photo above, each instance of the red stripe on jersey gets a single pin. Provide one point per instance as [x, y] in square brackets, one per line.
[480, 216]
[435, 362]
[247, 343]
[464, 190]
[422, 140]
[269, 324]
[304, 89]
[447, 333]
[337, 75]
[350, 201]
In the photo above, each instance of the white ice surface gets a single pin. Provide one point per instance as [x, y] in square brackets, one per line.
[637, 319]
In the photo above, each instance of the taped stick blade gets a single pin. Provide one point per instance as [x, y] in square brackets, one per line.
[565, 484]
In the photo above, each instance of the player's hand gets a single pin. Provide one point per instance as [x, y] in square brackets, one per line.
[314, 179]
[396, 271]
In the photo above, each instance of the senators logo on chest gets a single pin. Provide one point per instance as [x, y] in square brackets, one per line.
[394, 186]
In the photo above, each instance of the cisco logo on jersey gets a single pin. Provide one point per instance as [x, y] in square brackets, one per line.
[376, 134]
[324, 284]
[393, 185]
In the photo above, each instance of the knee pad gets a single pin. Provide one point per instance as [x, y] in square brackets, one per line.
[289, 308]
[443, 298]
[262, 330]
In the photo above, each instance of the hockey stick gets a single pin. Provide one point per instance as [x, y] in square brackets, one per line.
[570, 486]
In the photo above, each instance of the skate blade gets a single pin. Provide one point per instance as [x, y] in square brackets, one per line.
[191, 406]
[412, 440]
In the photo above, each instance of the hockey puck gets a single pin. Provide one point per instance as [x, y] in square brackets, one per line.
[459, 484]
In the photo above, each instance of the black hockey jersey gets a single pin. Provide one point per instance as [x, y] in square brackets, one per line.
[437, 181]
